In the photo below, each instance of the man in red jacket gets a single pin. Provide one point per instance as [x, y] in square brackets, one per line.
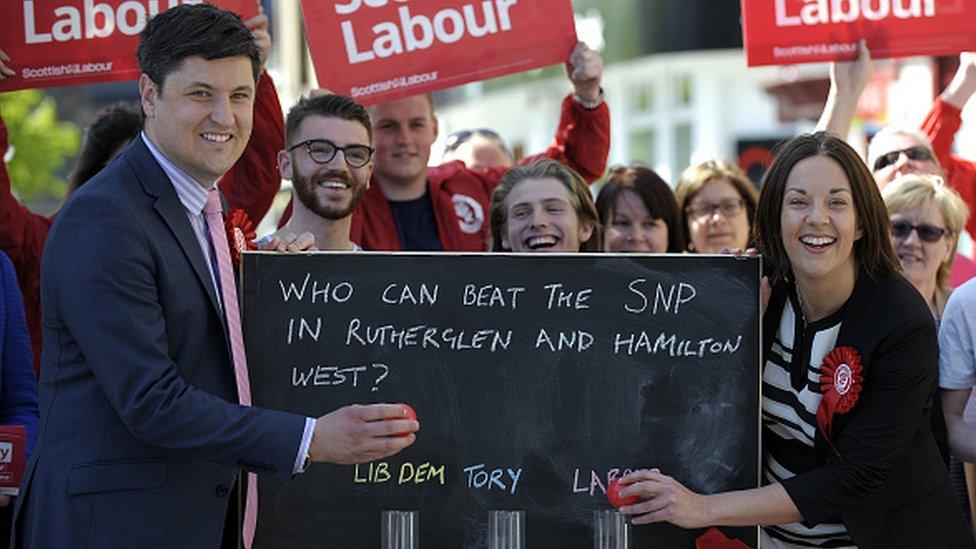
[413, 207]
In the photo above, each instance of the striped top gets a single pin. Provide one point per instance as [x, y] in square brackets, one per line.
[791, 395]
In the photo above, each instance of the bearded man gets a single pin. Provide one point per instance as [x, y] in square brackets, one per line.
[326, 185]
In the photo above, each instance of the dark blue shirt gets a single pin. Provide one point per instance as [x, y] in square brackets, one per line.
[416, 224]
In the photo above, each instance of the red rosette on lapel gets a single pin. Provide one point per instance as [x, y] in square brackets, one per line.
[240, 234]
[840, 383]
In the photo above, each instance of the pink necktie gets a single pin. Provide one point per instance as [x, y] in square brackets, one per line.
[228, 293]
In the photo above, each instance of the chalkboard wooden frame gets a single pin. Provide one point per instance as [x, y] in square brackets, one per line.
[509, 420]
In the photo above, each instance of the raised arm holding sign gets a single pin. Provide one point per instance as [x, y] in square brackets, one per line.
[5, 71]
[847, 81]
[940, 126]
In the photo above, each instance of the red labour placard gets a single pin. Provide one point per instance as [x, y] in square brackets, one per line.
[378, 50]
[69, 42]
[783, 32]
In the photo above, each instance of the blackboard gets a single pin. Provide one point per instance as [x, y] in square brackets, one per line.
[535, 378]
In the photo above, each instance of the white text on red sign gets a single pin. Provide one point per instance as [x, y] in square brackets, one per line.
[418, 31]
[94, 20]
[823, 12]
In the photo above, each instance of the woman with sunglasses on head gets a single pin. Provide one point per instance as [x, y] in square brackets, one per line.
[479, 149]
[849, 368]
[717, 203]
[896, 151]
[544, 207]
[639, 213]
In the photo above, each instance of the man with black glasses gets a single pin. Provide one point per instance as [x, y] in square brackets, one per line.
[328, 159]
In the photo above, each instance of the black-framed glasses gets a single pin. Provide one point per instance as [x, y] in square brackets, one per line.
[926, 232]
[913, 153]
[323, 151]
[730, 207]
[458, 138]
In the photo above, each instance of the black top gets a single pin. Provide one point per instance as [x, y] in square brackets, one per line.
[416, 224]
[882, 472]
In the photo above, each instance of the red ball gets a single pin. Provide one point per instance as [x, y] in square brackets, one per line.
[411, 414]
[613, 494]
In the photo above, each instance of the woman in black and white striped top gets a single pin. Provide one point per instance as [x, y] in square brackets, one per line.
[789, 414]
[850, 368]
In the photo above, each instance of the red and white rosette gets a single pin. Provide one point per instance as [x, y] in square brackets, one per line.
[840, 383]
[240, 234]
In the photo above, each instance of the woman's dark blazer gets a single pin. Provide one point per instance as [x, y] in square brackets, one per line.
[881, 473]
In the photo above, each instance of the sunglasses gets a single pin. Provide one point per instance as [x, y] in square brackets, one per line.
[926, 232]
[913, 153]
[458, 138]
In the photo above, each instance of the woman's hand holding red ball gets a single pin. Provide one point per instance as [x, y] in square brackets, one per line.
[662, 499]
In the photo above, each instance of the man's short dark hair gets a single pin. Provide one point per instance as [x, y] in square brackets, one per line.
[193, 30]
[329, 106]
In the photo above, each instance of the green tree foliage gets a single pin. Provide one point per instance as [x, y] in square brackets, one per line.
[41, 143]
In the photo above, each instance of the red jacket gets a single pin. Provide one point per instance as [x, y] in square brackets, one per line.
[940, 126]
[461, 197]
[250, 185]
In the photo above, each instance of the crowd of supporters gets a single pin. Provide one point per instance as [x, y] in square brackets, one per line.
[859, 254]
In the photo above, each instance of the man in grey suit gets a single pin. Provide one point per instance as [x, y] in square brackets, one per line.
[142, 431]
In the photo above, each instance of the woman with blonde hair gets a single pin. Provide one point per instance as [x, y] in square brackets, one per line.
[926, 219]
[717, 203]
